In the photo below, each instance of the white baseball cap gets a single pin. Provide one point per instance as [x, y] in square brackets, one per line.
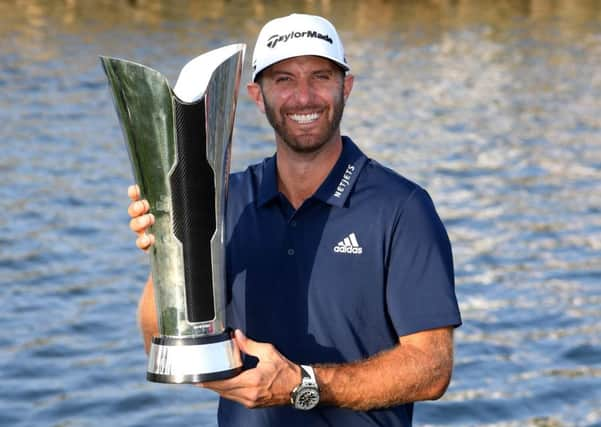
[297, 35]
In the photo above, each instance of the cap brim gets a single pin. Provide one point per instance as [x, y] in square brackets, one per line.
[342, 65]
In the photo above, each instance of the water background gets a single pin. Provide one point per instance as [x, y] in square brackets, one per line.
[493, 106]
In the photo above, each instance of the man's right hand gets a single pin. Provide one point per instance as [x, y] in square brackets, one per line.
[141, 219]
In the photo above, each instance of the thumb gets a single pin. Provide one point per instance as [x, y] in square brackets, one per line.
[246, 345]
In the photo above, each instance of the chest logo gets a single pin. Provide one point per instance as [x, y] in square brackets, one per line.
[349, 245]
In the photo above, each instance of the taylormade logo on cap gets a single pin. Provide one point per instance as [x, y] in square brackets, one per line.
[273, 40]
[297, 35]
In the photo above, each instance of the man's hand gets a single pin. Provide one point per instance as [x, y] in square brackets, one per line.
[140, 218]
[268, 384]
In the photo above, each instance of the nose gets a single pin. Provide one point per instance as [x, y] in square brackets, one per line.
[304, 92]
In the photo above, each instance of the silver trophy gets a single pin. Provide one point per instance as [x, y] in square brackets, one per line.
[178, 142]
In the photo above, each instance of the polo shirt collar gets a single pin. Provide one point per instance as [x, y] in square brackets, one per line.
[337, 186]
[339, 183]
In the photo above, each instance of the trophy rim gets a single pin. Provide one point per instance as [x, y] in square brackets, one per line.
[193, 379]
[170, 340]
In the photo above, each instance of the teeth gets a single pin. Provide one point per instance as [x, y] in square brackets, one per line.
[304, 118]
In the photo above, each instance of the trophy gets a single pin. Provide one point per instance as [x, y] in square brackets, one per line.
[178, 141]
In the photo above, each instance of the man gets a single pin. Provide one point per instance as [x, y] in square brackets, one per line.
[335, 263]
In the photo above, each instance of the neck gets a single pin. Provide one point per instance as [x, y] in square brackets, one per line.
[301, 174]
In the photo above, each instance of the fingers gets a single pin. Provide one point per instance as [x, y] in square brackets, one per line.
[141, 219]
[140, 224]
[138, 207]
[145, 241]
[242, 389]
[247, 388]
[133, 191]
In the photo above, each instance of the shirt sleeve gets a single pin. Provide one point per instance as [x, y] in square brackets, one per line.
[420, 286]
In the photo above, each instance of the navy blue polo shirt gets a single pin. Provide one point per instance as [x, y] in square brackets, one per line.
[363, 261]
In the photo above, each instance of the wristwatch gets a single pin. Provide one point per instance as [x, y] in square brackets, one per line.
[305, 396]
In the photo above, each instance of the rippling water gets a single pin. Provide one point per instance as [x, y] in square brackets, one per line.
[493, 106]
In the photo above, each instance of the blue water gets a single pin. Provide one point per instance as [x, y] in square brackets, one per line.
[493, 106]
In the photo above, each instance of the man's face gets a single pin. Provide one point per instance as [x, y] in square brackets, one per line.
[303, 99]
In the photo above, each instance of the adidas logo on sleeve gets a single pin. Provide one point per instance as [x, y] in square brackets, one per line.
[349, 245]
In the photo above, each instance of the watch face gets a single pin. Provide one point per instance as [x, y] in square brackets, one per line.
[307, 398]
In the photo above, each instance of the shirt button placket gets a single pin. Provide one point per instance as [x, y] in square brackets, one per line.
[291, 251]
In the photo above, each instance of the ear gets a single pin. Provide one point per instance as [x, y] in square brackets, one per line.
[255, 93]
[349, 79]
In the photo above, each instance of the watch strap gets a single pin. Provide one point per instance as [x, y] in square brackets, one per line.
[308, 374]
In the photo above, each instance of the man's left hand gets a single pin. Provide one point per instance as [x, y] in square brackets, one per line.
[268, 384]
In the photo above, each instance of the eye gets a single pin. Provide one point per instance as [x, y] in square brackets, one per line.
[282, 79]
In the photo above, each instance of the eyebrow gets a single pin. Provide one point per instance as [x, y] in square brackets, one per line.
[324, 70]
[289, 73]
[274, 72]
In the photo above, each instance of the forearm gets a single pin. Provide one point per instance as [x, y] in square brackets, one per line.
[409, 372]
[147, 315]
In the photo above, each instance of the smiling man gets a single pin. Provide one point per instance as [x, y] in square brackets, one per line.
[340, 272]
[303, 99]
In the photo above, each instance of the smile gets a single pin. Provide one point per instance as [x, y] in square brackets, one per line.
[304, 118]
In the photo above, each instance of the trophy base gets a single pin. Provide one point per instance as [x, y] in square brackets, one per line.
[189, 360]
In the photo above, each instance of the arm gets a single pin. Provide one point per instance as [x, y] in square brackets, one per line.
[147, 314]
[418, 368]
